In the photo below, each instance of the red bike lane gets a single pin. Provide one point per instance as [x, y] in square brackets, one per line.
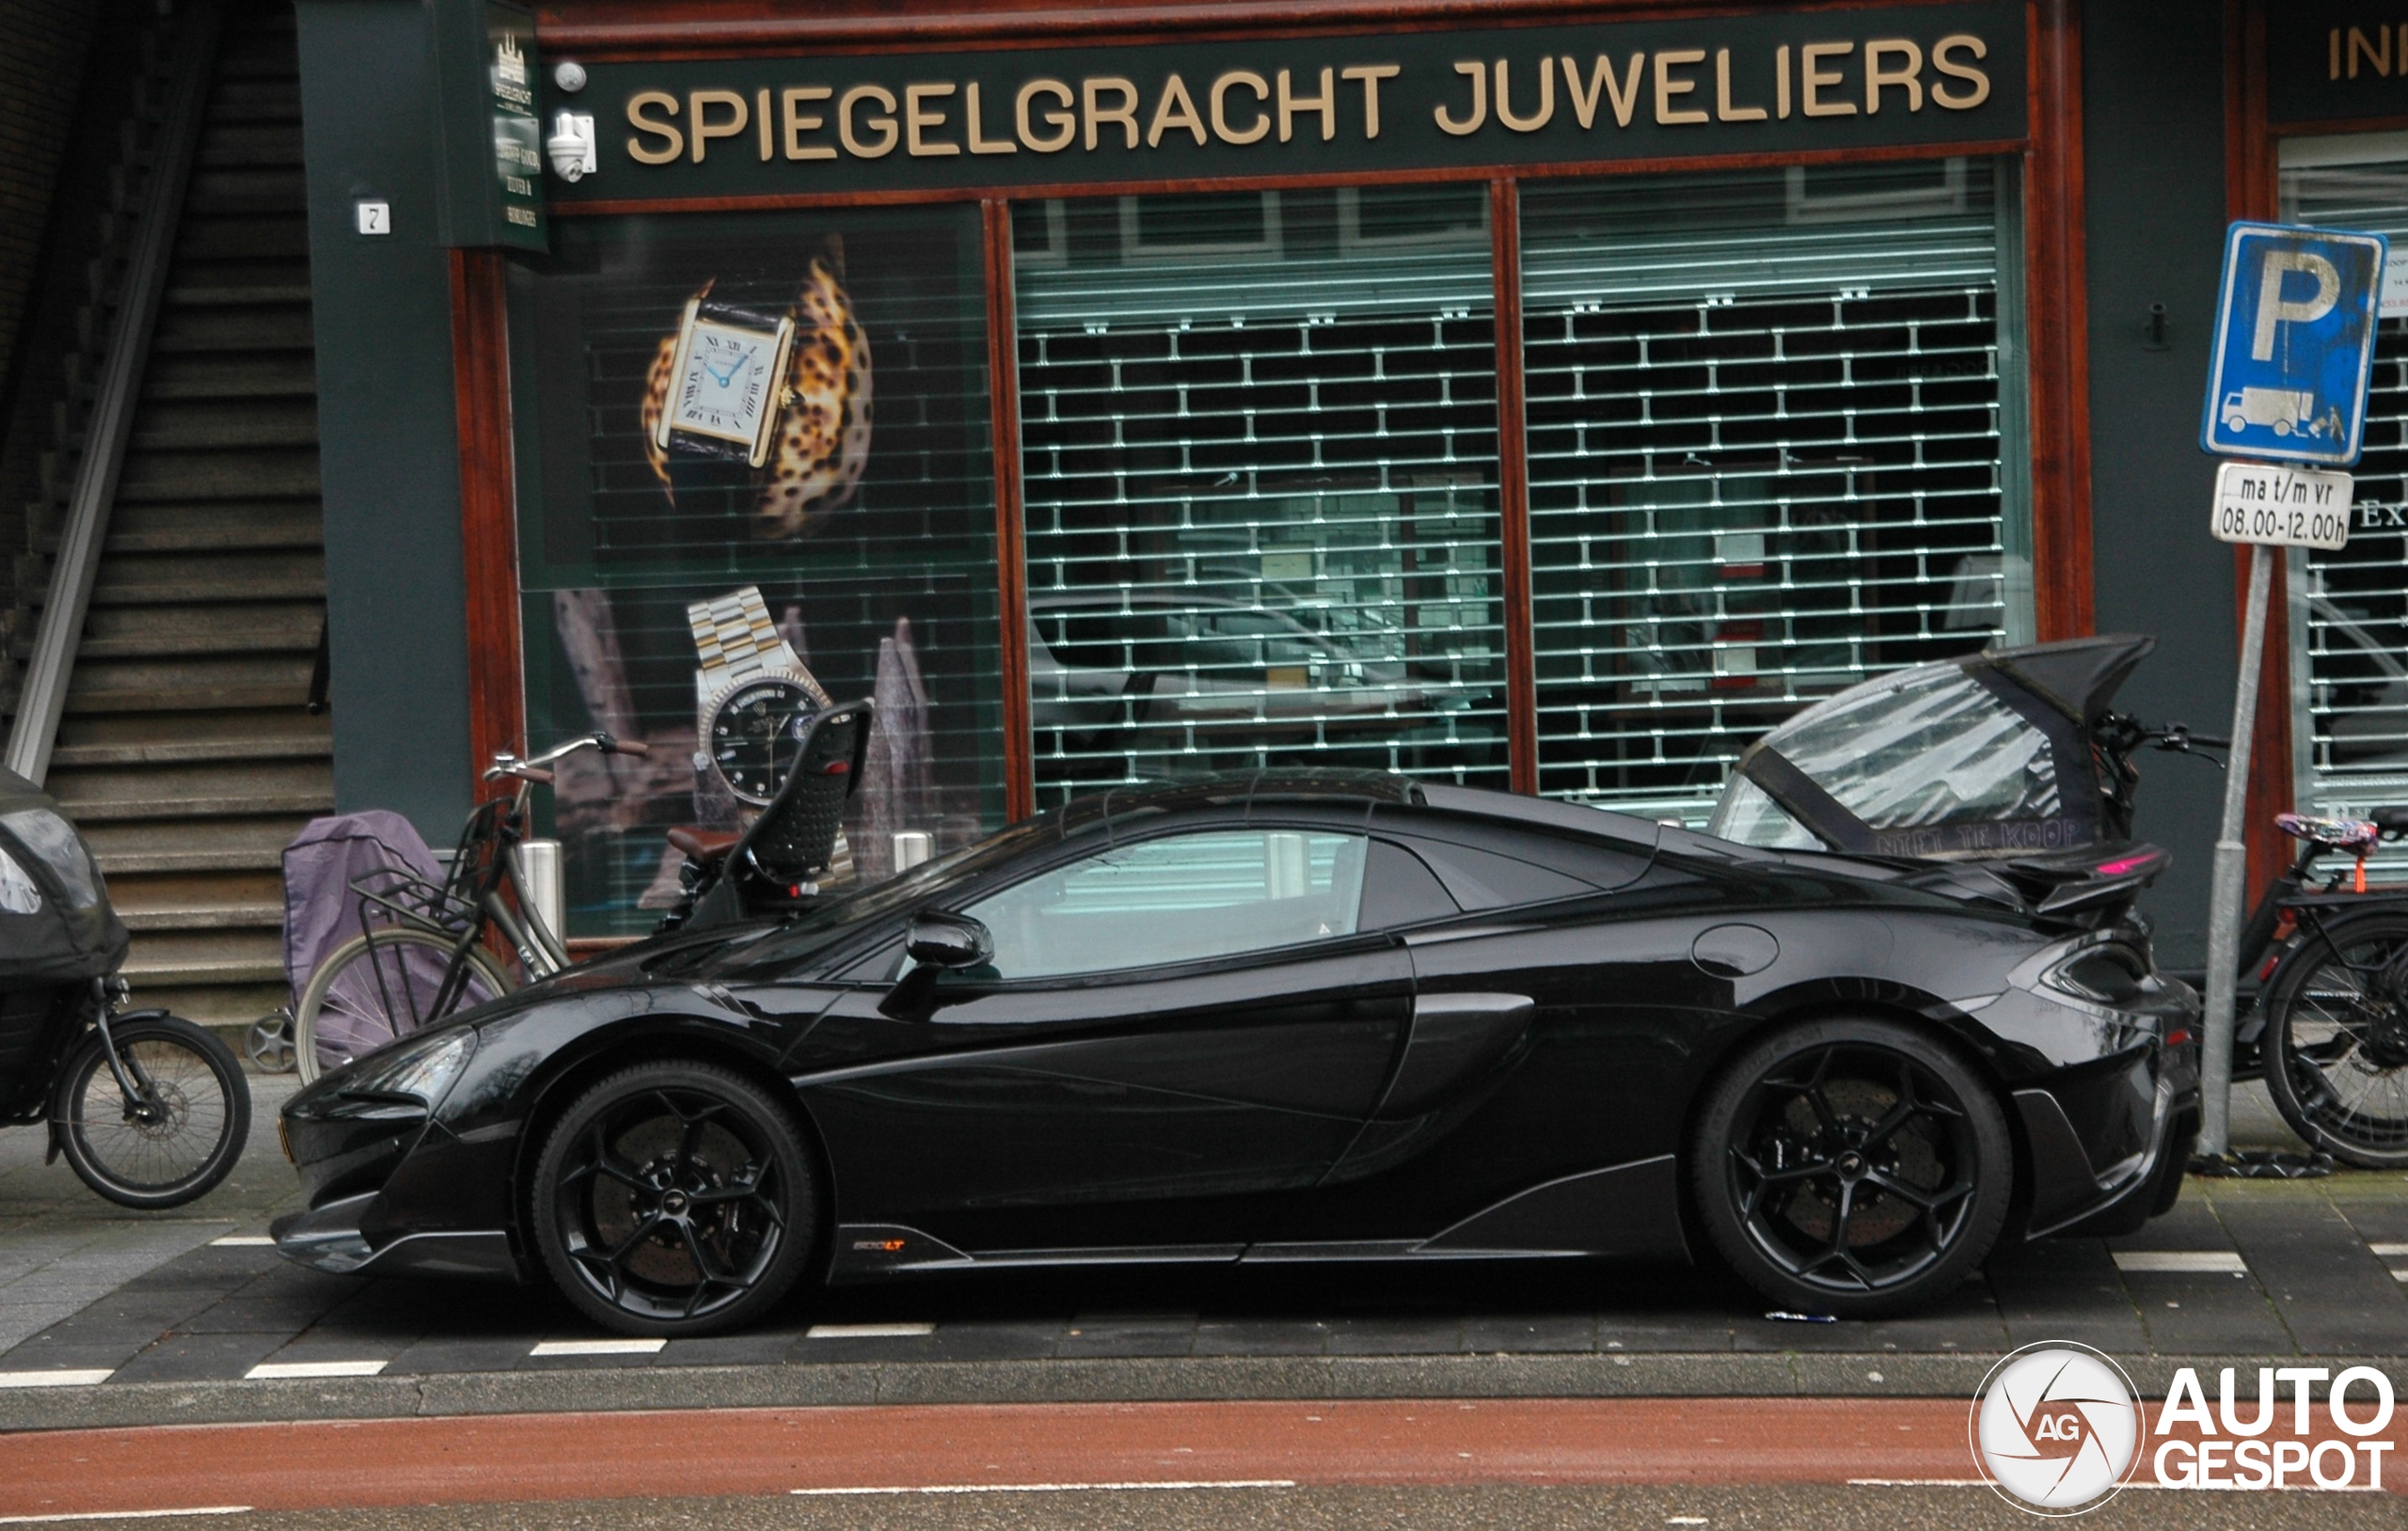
[986, 1447]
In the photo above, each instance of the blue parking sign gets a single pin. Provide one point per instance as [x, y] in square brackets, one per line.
[2295, 326]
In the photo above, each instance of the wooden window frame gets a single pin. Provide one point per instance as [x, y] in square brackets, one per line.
[2055, 311]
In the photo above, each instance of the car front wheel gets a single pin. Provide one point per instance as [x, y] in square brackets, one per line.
[675, 1198]
[1853, 1168]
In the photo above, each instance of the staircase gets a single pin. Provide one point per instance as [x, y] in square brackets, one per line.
[186, 753]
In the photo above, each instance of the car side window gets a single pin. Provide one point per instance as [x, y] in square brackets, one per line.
[1399, 889]
[1182, 898]
[1481, 879]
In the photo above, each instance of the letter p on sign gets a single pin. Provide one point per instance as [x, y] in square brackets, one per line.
[2274, 309]
[2294, 344]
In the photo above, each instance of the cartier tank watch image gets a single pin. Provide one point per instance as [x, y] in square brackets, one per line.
[726, 383]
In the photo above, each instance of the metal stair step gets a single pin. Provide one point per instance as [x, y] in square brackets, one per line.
[294, 586]
[221, 970]
[94, 811]
[203, 917]
[192, 751]
[213, 859]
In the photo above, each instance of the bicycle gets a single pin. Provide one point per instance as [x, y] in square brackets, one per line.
[422, 952]
[2324, 973]
[2335, 998]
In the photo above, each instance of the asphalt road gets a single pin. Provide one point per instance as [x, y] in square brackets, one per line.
[111, 1318]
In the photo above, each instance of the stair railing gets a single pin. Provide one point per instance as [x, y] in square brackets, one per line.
[42, 695]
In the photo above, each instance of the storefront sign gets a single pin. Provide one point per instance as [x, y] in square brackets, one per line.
[1839, 80]
[493, 153]
[2336, 60]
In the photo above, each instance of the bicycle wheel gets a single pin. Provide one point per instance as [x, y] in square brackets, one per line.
[2337, 1043]
[170, 1148]
[379, 985]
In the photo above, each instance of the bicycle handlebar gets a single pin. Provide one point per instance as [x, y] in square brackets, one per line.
[532, 767]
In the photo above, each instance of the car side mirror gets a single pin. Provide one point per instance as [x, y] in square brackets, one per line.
[941, 940]
[937, 942]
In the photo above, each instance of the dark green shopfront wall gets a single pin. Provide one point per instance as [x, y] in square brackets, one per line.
[2154, 214]
[389, 450]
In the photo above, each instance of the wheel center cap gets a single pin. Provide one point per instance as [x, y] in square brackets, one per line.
[1852, 1164]
[673, 1203]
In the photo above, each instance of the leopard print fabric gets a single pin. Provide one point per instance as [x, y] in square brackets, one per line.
[823, 431]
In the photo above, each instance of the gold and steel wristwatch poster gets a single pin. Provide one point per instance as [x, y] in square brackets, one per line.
[782, 417]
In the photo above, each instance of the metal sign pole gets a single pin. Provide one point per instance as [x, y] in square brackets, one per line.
[2231, 874]
[2296, 314]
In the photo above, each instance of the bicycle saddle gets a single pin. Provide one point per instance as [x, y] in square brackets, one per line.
[2340, 833]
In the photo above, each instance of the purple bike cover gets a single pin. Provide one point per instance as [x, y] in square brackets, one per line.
[321, 912]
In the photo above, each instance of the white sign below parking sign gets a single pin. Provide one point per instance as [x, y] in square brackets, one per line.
[2282, 507]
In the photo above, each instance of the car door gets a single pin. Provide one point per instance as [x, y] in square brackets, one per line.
[1167, 1026]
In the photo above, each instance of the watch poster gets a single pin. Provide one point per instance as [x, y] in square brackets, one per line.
[794, 401]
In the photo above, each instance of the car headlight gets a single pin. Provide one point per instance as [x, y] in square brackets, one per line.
[421, 1071]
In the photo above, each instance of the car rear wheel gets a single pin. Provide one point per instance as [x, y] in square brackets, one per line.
[675, 1198]
[1853, 1168]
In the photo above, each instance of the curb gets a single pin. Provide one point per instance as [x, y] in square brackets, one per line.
[1666, 1375]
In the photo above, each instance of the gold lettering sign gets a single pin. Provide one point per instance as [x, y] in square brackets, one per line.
[1717, 92]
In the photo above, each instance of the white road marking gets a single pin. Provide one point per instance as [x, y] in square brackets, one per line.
[125, 1514]
[245, 1240]
[599, 1346]
[2387, 1251]
[2186, 1261]
[269, 1371]
[1054, 1488]
[55, 1379]
[900, 1331]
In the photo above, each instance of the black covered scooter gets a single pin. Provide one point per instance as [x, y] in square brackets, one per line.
[150, 1110]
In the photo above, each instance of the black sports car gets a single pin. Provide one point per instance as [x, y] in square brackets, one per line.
[1297, 1016]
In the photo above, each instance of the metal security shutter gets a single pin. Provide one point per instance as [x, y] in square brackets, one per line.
[1768, 414]
[2349, 610]
[1259, 443]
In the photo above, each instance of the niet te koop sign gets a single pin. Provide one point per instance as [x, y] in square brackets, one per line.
[1835, 80]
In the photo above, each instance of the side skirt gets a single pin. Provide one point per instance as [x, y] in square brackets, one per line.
[1627, 1210]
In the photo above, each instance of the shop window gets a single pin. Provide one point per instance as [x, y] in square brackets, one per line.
[1041, 235]
[1259, 464]
[2349, 610]
[1208, 226]
[867, 526]
[1775, 446]
[1391, 217]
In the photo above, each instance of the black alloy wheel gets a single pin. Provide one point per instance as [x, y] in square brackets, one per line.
[1852, 1168]
[675, 1198]
[2336, 1038]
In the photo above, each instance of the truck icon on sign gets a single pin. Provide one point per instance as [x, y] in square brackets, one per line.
[2287, 410]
